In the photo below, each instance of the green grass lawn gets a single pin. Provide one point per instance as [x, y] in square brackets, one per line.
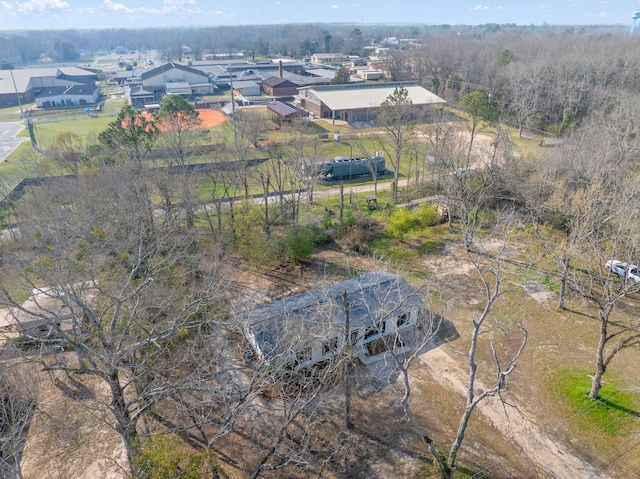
[11, 114]
[612, 414]
[21, 163]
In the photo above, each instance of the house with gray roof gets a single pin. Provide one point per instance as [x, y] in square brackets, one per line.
[370, 313]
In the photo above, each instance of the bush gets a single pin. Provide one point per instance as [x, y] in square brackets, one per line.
[401, 222]
[428, 215]
[297, 246]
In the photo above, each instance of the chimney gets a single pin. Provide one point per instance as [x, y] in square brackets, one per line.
[280, 68]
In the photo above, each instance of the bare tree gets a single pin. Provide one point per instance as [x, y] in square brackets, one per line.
[494, 282]
[247, 127]
[523, 87]
[66, 154]
[18, 402]
[121, 295]
[595, 202]
[180, 136]
[397, 117]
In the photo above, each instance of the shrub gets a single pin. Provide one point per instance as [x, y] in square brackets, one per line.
[297, 246]
[401, 222]
[428, 215]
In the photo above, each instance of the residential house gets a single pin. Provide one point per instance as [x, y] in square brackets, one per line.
[48, 314]
[370, 313]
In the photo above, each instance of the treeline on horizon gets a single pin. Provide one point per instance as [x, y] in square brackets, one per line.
[20, 48]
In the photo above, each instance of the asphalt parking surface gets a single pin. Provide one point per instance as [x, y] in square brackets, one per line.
[8, 138]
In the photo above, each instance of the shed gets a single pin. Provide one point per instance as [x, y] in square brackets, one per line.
[281, 111]
[311, 327]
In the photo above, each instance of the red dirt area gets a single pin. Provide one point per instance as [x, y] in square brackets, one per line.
[208, 118]
[211, 117]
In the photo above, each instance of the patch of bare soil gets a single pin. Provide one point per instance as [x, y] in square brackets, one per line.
[68, 437]
[554, 460]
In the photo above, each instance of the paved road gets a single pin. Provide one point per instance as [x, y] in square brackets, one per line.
[8, 138]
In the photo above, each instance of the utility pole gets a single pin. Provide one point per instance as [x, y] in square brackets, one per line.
[233, 110]
[347, 359]
[17, 96]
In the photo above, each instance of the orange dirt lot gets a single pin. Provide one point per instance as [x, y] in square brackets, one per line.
[207, 116]
[211, 117]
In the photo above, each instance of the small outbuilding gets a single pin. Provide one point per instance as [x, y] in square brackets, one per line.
[281, 112]
[371, 313]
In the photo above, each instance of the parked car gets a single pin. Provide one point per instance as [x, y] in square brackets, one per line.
[630, 271]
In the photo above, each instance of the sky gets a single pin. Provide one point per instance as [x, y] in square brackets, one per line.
[33, 14]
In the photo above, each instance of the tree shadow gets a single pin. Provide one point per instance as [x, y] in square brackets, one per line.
[579, 313]
[74, 389]
[618, 407]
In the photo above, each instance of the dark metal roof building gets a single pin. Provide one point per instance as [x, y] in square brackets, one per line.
[378, 303]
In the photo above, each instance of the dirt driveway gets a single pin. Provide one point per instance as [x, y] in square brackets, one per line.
[553, 458]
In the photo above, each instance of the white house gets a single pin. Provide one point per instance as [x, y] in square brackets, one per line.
[371, 312]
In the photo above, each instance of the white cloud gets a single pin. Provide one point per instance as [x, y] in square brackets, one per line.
[334, 6]
[116, 7]
[42, 5]
[6, 6]
[481, 7]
